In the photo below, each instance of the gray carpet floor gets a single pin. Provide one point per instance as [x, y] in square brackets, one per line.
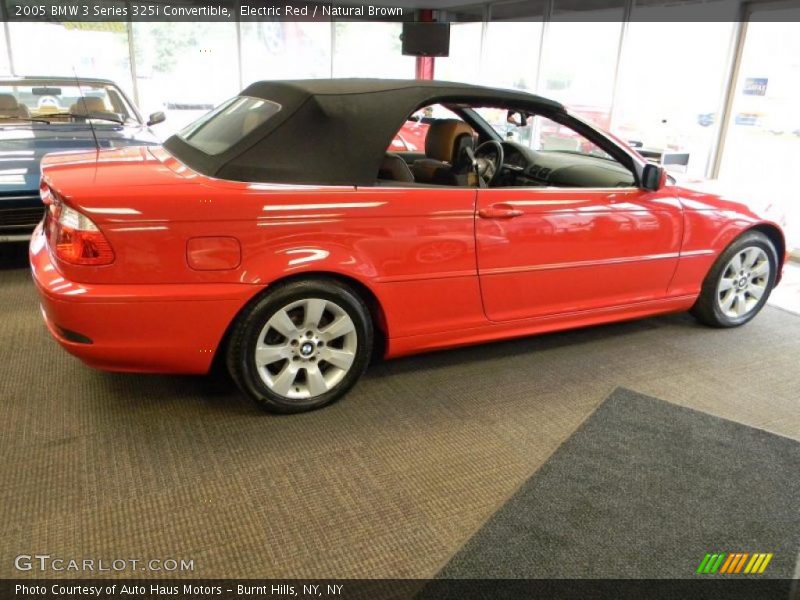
[645, 489]
[391, 482]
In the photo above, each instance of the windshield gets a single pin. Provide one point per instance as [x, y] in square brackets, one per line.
[57, 103]
[220, 129]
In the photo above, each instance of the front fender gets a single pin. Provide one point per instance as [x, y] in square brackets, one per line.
[711, 223]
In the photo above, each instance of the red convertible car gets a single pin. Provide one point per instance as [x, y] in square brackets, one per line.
[277, 235]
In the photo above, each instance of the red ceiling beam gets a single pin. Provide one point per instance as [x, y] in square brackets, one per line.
[425, 64]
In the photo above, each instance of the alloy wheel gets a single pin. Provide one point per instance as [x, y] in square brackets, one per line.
[306, 348]
[743, 282]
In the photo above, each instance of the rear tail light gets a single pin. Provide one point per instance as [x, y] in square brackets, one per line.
[73, 236]
[79, 241]
[46, 193]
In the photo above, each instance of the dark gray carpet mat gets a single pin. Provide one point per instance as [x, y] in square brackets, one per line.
[644, 489]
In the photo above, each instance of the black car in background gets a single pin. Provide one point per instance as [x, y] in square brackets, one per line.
[40, 115]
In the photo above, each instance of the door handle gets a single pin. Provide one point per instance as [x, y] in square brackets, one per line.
[499, 211]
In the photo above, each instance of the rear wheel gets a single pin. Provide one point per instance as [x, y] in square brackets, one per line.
[302, 346]
[738, 285]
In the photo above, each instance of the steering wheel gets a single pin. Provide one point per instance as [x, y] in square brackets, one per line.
[489, 157]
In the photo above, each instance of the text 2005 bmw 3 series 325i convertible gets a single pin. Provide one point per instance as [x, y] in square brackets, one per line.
[278, 234]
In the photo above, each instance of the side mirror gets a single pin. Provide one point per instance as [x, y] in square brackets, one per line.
[652, 177]
[156, 118]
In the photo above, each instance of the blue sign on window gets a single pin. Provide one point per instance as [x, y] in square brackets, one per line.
[755, 86]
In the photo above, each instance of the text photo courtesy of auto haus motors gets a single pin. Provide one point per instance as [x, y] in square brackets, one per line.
[403, 300]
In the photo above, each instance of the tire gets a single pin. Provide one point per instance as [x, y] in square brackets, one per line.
[301, 346]
[751, 279]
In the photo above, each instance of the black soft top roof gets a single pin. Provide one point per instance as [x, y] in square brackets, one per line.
[335, 131]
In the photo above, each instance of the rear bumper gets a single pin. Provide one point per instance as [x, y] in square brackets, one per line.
[140, 328]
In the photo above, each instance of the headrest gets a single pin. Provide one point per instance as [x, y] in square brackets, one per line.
[394, 168]
[8, 102]
[91, 104]
[440, 142]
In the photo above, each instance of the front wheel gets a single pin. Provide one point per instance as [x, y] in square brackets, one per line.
[739, 283]
[301, 346]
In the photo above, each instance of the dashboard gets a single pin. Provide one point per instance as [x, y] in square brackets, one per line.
[525, 167]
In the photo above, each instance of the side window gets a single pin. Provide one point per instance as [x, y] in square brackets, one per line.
[430, 149]
[118, 104]
[547, 135]
[411, 137]
[541, 133]
[553, 154]
[217, 131]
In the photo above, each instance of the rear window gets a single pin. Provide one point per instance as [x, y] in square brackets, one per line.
[218, 130]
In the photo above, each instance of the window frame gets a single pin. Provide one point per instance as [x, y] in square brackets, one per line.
[627, 158]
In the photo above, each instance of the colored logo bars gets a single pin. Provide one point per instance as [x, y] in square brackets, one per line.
[734, 563]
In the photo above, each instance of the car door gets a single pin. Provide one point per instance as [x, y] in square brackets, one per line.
[548, 251]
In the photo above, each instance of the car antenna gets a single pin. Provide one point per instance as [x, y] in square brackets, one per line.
[86, 108]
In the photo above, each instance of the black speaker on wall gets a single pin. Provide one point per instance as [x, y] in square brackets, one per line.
[426, 39]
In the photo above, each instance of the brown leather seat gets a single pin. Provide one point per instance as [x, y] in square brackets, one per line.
[394, 168]
[89, 106]
[443, 144]
[9, 107]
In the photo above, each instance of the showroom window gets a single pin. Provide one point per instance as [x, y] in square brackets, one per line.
[71, 50]
[467, 46]
[670, 95]
[285, 50]
[580, 59]
[763, 133]
[370, 50]
[511, 54]
[5, 63]
[464, 62]
[173, 61]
